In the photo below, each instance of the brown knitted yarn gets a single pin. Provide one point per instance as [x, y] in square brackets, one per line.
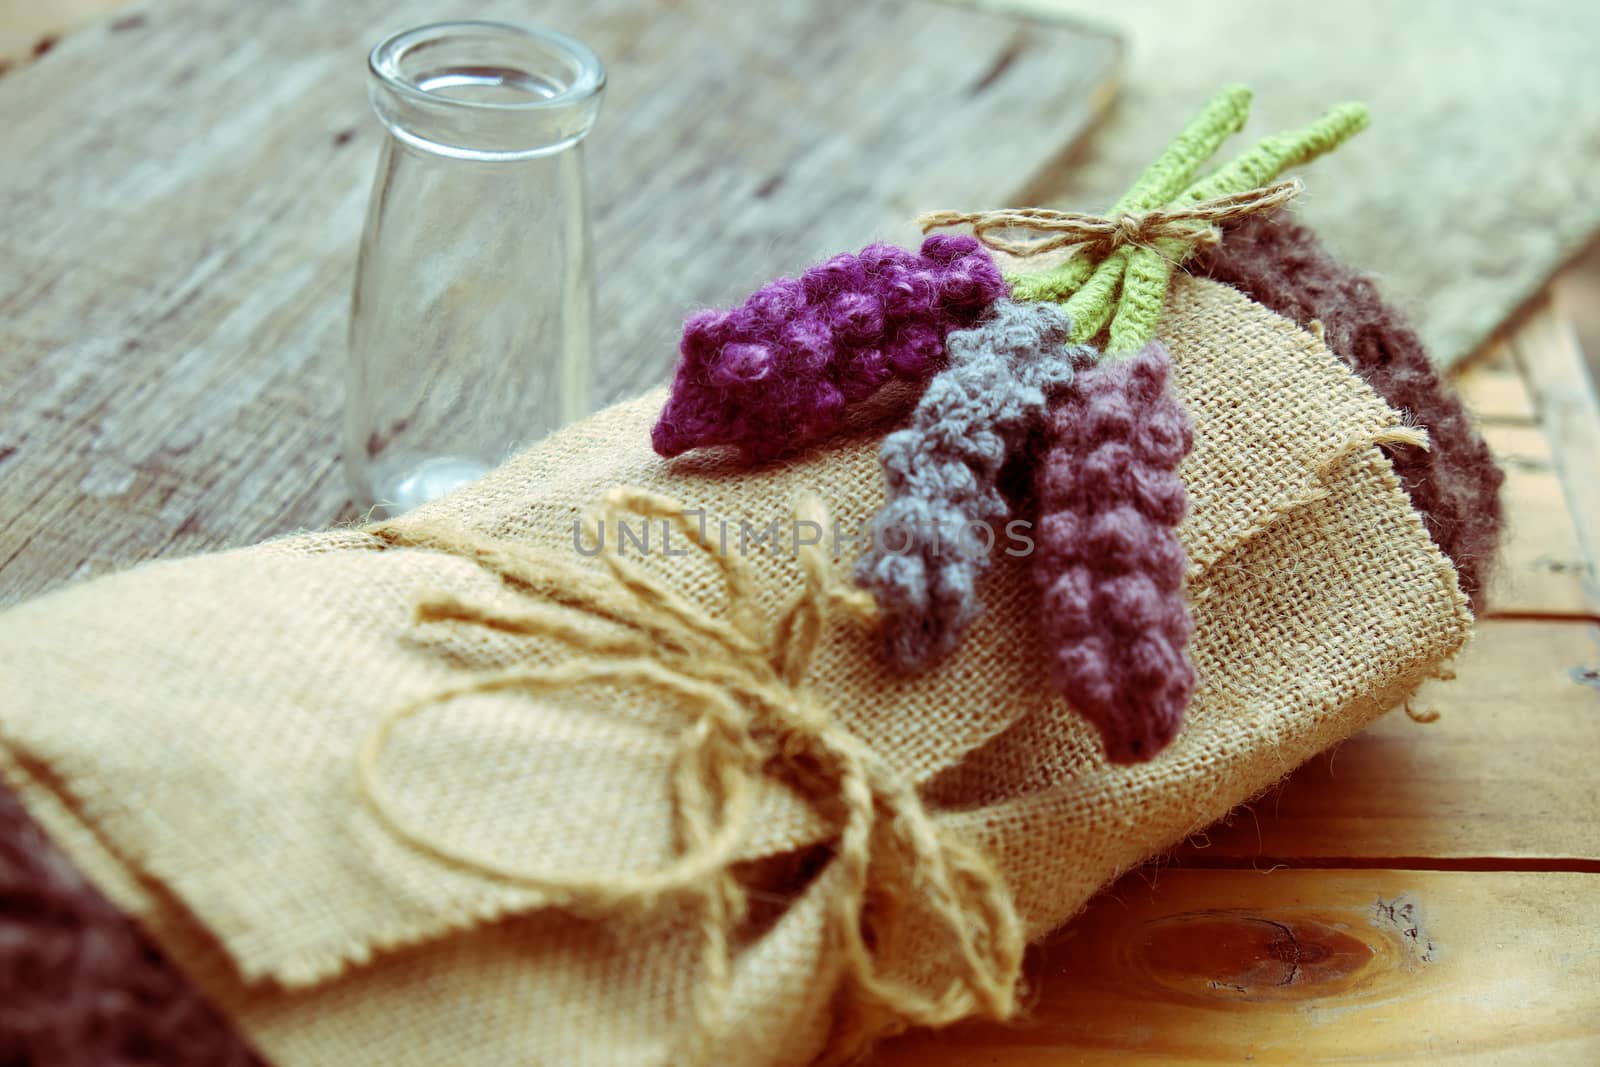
[79, 985]
[1454, 484]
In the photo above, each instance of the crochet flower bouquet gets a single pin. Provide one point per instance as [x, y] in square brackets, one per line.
[759, 720]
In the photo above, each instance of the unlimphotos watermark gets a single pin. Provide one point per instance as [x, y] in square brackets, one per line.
[786, 537]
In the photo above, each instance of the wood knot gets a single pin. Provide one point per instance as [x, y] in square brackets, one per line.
[1254, 957]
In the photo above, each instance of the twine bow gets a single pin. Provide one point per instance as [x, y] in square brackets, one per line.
[748, 714]
[1116, 282]
[1194, 223]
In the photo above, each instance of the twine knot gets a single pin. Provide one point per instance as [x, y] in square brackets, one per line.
[1129, 229]
[1193, 224]
[748, 714]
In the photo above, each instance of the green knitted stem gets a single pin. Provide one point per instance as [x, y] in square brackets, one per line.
[1128, 287]
[1058, 283]
[1274, 155]
[1162, 181]
[1223, 116]
[1090, 308]
[1144, 293]
[1144, 289]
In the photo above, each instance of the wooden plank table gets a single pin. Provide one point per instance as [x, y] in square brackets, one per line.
[1427, 892]
[185, 182]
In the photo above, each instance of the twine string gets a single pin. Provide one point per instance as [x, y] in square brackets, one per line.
[747, 714]
[1194, 224]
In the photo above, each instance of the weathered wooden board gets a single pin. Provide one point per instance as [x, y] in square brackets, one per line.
[1494, 389]
[1505, 776]
[1542, 568]
[1307, 967]
[1564, 394]
[184, 185]
[30, 28]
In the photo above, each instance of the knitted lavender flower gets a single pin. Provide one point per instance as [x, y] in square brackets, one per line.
[1108, 562]
[934, 537]
[778, 372]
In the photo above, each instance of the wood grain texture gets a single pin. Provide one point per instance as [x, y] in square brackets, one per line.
[1494, 390]
[30, 28]
[1504, 777]
[1307, 967]
[1548, 353]
[1543, 568]
[180, 241]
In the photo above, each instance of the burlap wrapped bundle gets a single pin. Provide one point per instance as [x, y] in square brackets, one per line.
[192, 733]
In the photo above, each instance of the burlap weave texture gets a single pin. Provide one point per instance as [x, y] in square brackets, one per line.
[188, 731]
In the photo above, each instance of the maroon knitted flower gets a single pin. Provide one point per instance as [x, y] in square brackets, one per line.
[1108, 563]
[778, 372]
[79, 983]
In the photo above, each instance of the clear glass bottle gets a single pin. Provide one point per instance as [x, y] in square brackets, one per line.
[470, 331]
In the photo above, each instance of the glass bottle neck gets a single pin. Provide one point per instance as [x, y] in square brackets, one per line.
[486, 91]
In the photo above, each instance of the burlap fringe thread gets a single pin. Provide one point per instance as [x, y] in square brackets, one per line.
[748, 713]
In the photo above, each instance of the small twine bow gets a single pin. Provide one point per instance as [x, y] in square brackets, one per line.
[748, 715]
[1115, 283]
[1194, 224]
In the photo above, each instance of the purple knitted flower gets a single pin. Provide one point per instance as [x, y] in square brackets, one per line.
[778, 372]
[1109, 566]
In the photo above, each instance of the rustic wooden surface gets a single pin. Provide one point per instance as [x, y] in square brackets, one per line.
[1427, 892]
[1307, 967]
[1563, 390]
[30, 28]
[181, 229]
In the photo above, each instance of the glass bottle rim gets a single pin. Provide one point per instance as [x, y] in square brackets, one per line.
[384, 61]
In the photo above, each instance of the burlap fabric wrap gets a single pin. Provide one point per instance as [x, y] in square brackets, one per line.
[188, 732]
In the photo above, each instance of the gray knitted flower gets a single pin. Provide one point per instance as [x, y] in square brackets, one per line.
[945, 512]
